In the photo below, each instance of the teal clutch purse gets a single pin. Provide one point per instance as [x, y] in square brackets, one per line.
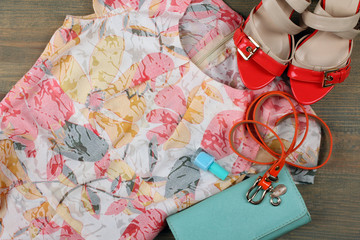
[229, 215]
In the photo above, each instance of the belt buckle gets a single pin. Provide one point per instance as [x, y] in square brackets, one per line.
[328, 78]
[250, 197]
[249, 49]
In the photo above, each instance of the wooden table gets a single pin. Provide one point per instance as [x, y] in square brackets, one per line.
[333, 201]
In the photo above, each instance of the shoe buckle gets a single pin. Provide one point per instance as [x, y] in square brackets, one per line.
[328, 78]
[249, 49]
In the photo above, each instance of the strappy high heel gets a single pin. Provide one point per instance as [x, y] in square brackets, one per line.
[322, 59]
[265, 43]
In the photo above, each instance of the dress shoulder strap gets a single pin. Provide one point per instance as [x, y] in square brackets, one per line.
[154, 8]
[103, 7]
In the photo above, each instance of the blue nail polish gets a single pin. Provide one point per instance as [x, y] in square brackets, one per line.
[207, 163]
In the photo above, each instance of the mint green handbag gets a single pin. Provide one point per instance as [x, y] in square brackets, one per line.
[229, 215]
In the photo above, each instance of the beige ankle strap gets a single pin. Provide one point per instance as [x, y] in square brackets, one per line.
[303, 64]
[299, 5]
[280, 18]
[343, 27]
[263, 46]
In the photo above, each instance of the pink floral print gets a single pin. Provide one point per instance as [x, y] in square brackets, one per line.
[173, 103]
[34, 103]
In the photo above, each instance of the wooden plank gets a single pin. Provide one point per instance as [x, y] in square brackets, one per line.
[25, 28]
[333, 201]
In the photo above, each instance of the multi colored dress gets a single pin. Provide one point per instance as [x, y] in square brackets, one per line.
[97, 138]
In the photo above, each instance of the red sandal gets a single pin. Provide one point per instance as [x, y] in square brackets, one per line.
[322, 59]
[266, 42]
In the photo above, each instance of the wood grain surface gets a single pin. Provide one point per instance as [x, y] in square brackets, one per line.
[333, 201]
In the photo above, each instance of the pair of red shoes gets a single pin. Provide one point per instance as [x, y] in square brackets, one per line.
[320, 60]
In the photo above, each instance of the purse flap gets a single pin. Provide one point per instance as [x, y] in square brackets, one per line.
[228, 215]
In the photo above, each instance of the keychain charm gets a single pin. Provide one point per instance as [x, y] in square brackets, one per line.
[276, 192]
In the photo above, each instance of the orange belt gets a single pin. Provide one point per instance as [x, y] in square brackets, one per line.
[251, 122]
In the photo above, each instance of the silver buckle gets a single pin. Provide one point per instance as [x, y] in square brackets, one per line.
[249, 49]
[328, 78]
[258, 188]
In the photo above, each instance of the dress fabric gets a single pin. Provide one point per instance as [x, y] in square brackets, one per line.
[97, 138]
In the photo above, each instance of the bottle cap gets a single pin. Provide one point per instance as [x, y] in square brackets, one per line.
[203, 160]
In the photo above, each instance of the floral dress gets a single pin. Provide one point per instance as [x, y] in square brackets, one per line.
[97, 138]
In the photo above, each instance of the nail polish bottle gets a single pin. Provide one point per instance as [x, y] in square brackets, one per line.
[207, 162]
